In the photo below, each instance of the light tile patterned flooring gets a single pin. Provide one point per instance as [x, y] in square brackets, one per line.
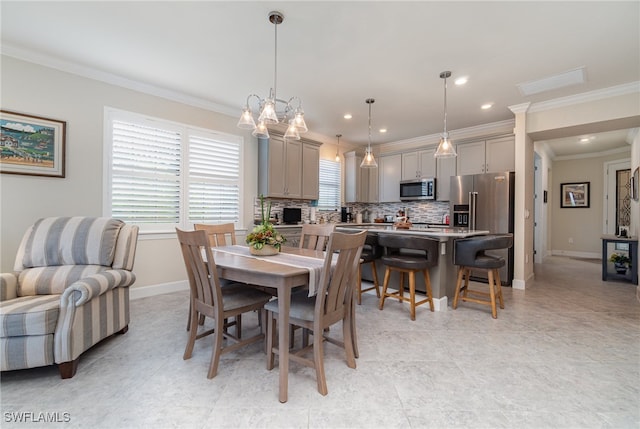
[565, 353]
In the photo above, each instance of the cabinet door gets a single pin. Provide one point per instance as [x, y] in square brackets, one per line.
[310, 172]
[410, 165]
[276, 181]
[351, 177]
[500, 155]
[373, 186]
[389, 175]
[470, 159]
[446, 169]
[293, 169]
[427, 163]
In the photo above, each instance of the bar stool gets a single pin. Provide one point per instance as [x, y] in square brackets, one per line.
[408, 255]
[469, 253]
[370, 252]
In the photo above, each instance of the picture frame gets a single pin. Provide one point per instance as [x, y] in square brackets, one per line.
[575, 195]
[32, 145]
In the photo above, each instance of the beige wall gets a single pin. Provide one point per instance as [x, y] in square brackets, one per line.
[42, 91]
[582, 225]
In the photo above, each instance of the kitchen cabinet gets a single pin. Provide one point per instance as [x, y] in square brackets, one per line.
[389, 176]
[361, 184]
[292, 235]
[446, 167]
[288, 168]
[418, 164]
[486, 156]
[310, 171]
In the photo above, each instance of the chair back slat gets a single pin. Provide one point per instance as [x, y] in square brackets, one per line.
[219, 235]
[315, 237]
[336, 289]
[201, 270]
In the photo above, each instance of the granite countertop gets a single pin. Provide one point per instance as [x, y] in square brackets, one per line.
[414, 230]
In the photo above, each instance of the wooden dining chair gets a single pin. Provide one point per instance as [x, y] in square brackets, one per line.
[219, 235]
[212, 300]
[332, 304]
[223, 234]
[314, 236]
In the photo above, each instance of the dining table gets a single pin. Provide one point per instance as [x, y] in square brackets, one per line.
[291, 268]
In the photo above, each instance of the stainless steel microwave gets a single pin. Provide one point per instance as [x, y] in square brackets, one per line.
[418, 189]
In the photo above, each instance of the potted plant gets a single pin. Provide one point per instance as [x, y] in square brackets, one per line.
[620, 261]
[264, 239]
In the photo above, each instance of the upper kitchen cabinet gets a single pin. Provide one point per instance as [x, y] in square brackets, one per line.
[360, 184]
[418, 164]
[310, 171]
[446, 169]
[486, 156]
[288, 168]
[389, 176]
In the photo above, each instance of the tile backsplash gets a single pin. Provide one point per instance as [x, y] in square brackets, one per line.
[419, 211]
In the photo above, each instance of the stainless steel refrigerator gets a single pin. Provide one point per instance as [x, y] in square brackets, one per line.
[485, 202]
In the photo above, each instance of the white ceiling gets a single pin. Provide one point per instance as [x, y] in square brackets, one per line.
[334, 55]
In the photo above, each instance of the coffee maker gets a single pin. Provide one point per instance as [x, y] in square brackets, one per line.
[345, 214]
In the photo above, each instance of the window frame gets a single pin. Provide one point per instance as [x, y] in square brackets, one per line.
[186, 131]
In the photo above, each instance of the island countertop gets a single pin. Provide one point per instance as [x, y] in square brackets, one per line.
[442, 233]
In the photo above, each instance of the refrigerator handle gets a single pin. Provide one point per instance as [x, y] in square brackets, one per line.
[473, 201]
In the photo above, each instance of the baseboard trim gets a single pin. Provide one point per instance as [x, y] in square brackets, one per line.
[440, 304]
[159, 289]
[589, 255]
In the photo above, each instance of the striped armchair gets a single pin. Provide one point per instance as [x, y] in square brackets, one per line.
[69, 290]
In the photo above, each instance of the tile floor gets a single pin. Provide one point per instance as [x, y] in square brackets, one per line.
[565, 353]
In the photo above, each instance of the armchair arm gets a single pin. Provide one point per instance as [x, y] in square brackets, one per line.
[95, 285]
[8, 286]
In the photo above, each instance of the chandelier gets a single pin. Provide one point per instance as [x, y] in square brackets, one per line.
[272, 109]
[445, 147]
[369, 161]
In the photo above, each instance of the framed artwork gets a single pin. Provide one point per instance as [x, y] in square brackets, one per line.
[31, 145]
[574, 195]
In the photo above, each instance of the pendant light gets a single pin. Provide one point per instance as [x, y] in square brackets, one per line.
[445, 148]
[269, 113]
[338, 148]
[369, 161]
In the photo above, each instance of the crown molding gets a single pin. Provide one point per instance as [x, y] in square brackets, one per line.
[586, 97]
[113, 79]
[478, 131]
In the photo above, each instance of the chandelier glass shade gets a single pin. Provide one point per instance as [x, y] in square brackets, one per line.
[445, 147]
[274, 110]
[338, 148]
[369, 160]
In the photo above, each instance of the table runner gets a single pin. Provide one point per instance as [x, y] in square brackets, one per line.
[311, 264]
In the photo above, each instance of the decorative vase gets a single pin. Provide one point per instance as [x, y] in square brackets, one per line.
[621, 268]
[267, 250]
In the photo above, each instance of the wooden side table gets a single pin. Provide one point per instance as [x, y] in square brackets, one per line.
[633, 255]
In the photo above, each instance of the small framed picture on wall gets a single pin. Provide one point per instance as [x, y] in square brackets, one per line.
[574, 195]
[31, 145]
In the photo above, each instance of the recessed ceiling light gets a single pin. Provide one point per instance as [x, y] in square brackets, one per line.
[347, 116]
[383, 130]
[584, 140]
[461, 80]
[486, 106]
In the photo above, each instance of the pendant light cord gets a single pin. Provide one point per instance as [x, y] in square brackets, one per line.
[275, 63]
[370, 124]
[445, 106]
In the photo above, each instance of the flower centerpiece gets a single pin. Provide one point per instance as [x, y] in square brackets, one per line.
[620, 260]
[264, 239]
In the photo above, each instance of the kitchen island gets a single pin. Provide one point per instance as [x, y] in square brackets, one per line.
[443, 275]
